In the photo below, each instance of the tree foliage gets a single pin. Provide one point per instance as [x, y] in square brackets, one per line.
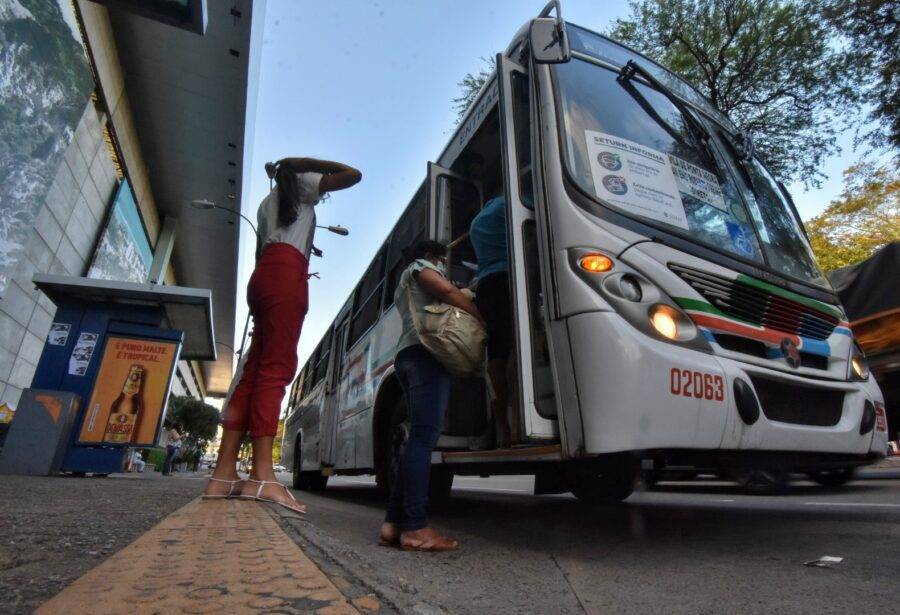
[197, 421]
[863, 218]
[470, 85]
[768, 64]
[872, 32]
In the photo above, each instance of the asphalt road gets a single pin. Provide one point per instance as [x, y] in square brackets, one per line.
[699, 547]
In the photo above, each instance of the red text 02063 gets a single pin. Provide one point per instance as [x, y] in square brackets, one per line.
[689, 383]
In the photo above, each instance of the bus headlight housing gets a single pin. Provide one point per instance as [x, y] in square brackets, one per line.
[859, 367]
[638, 300]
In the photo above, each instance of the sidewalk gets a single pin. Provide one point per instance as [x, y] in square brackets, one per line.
[168, 551]
[225, 556]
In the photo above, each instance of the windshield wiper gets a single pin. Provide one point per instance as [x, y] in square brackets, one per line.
[698, 131]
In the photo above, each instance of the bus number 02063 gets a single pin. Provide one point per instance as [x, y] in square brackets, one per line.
[701, 385]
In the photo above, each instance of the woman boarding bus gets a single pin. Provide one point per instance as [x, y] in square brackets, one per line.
[666, 306]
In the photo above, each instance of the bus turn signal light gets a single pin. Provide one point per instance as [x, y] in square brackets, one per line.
[595, 263]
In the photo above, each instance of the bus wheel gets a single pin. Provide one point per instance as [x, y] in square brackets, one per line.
[608, 484]
[833, 478]
[439, 484]
[390, 436]
[650, 478]
[762, 480]
[310, 481]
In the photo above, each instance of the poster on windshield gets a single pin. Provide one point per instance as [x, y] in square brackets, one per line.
[698, 183]
[635, 178]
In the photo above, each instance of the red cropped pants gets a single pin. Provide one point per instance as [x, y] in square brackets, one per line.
[278, 297]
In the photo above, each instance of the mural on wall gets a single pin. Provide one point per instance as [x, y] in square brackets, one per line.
[124, 252]
[45, 84]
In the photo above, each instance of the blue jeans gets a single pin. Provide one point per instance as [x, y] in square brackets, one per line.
[426, 388]
[171, 451]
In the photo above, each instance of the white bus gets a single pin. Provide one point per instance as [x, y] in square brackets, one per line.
[668, 310]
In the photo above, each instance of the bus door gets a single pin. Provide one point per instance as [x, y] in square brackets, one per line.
[329, 451]
[536, 392]
[453, 201]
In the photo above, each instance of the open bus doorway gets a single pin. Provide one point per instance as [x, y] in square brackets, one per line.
[475, 178]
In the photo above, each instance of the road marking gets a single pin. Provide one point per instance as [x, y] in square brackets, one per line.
[850, 504]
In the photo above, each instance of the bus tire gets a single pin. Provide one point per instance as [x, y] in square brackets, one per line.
[310, 481]
[761, 480]
[609, 483]
[306, 481]
[833, 478]
[650, 478]
[440, 484]
[391, 432]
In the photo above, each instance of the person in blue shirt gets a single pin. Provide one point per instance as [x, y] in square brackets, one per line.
[488, 234]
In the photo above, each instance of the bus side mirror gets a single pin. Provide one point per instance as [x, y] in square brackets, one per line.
[549, 41]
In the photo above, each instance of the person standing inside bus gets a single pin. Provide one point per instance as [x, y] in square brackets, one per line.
[426, 389]
[278, 298]
[488, 236]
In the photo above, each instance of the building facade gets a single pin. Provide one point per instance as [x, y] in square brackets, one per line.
[118, 114]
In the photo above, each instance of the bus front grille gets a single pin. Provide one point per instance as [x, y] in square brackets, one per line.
[798, 404]
[757, 306]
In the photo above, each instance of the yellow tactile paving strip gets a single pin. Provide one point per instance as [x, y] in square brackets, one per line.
[211, 556]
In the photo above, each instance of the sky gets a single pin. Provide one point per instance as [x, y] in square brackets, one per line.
[370, 83]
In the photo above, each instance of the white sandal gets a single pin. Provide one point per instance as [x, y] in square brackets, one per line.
[230, 494]
[298, 508]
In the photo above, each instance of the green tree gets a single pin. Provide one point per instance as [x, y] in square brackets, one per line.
[871, 29]
[276, 448]
[470, 85]
[769, 64]
[197, 420]
[863, 218]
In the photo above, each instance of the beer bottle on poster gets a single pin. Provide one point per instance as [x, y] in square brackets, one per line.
[126, 411]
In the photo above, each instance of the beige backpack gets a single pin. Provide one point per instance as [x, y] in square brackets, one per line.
[452, 335]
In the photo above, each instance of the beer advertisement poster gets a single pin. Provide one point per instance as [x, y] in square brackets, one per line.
[130, 392]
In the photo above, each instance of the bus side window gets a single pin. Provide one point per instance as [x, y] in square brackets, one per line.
[412, 227]
[322, 362]
[522, 123]
[367, 301]
[292, 398]
[310, 379]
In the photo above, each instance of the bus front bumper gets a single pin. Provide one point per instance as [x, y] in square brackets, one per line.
[637, 393]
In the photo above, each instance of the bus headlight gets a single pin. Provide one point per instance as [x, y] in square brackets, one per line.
[672, 324]
[859, 367]
[663, 321]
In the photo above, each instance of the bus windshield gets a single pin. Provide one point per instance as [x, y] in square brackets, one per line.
[627, 144]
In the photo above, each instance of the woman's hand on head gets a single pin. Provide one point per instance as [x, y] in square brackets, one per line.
[339, 180]
[335, 175]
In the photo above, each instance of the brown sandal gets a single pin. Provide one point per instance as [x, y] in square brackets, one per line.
[430, 542]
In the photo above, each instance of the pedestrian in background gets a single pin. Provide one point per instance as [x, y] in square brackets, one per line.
[137, 461]
[278, 298]
[426, 388]
[172, 449]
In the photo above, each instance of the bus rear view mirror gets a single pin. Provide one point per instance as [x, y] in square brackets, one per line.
[549, 42]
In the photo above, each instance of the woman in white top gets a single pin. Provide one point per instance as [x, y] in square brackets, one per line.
[278, 299]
